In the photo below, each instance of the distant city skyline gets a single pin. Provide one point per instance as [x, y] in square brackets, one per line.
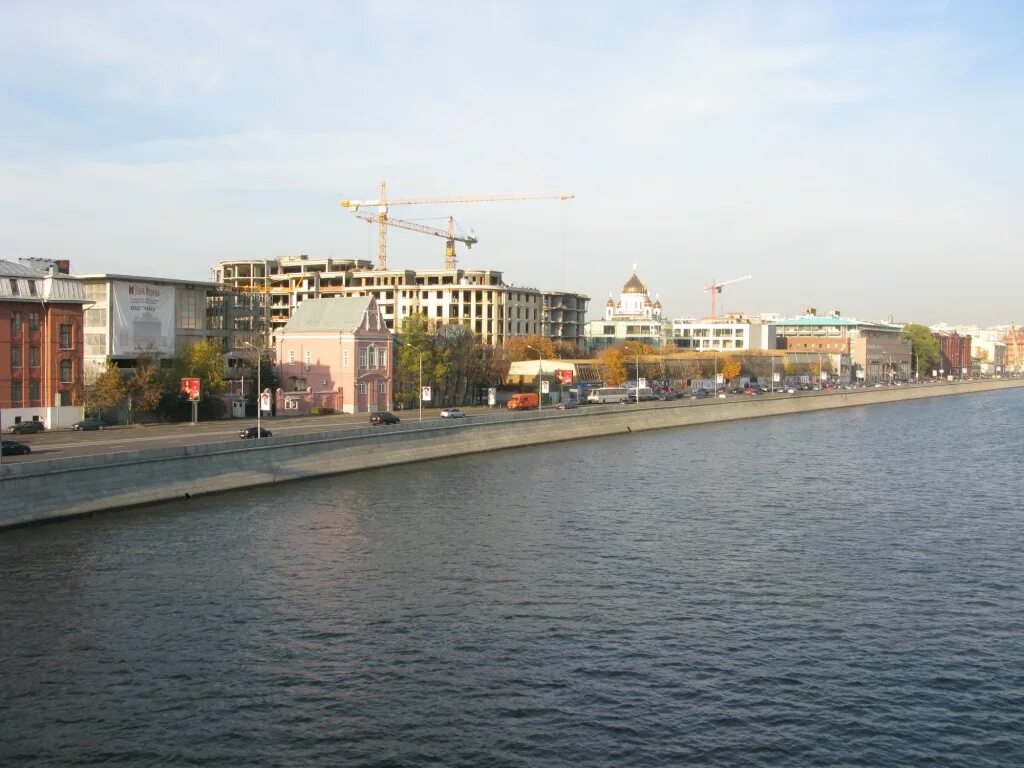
[860, 157]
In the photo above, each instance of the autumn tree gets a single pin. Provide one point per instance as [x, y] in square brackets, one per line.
[729, 368]
[612, 364]
[147, 385]
[107, 391]
[202, 360]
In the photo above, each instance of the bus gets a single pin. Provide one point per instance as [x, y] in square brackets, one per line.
[643, 393]
[608, 395]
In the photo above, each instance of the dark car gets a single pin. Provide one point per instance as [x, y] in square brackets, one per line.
[701, 394]
[92, 423]
[26, 427]
[383, 417]
[11, 448]
[251, 432]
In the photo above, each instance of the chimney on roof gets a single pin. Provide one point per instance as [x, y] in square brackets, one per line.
[811, 312]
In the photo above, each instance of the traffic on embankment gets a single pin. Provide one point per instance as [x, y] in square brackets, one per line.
[69, 474]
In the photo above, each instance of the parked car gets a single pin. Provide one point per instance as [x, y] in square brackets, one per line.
[26, 427]
[453, 413]
[251, 432]
[700, 394]
[11, 448]
[568, 405]
[379, 418]
[92, 423]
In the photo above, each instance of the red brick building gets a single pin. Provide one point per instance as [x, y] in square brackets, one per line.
[954, 354]
[41, 360]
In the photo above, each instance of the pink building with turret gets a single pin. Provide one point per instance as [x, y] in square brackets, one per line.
[335, 353]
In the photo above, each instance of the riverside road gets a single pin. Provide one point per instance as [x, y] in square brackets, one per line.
[69, 444]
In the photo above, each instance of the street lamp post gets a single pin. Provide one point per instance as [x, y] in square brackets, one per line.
[772, 384]
[540, 374]
[715, 385]
[413, 346]
[917, 368]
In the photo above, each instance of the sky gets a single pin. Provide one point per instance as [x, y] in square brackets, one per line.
[854, 156]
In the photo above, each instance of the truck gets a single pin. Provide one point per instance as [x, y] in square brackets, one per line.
[524, 401]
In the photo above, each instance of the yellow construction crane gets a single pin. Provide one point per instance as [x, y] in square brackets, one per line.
[449, 236]
[382, 203]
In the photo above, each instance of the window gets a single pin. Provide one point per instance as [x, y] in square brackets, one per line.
[344, 358]
[65, 337]
[15, 322]
[15, 391]
[382, 387]
[15, 290]
[33, 357]
[361, 387]
[32, 290]
[364, 354]
[15, 357]
[382, 358]
[65, 371]
[291, 357]
[309, 358]
[33, 390]
[33, 321]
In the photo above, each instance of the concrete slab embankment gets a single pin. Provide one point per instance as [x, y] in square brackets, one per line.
[45, 490]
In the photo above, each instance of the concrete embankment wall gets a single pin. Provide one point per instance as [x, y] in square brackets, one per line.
[43, 490]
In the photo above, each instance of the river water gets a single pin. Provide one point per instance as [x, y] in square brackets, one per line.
[840, 588]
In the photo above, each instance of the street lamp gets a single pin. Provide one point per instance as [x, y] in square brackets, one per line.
[413, 346]
[715, 385]
[259, 388]
[540, 373]
[917, 368]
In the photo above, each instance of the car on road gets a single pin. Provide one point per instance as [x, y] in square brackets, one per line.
[568, 405]
[379, 418]
[26, 428]
[250, 433]
[92, 423]
[700, 394]
[11, 448]
[453, 413]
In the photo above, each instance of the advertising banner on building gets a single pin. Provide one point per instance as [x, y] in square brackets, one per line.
[142, 318]
[564, 376]
[192, 389]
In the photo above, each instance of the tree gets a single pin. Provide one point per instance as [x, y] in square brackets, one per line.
[204, 361]
[517, 348]
[612, 363]
[924, 345]
[147, 385]
[730, 368]
[107, 391]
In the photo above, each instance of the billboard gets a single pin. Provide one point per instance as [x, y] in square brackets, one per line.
[192, 389]
[564, 376]
[142, 318]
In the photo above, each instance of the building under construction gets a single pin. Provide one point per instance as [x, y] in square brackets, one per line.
[476, 298]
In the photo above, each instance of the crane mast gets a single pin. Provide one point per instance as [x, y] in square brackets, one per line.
[382, 204]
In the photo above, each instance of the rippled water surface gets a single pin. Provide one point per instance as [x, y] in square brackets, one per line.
[838, 588]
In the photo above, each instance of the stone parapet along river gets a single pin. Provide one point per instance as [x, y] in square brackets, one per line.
[47, 490]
